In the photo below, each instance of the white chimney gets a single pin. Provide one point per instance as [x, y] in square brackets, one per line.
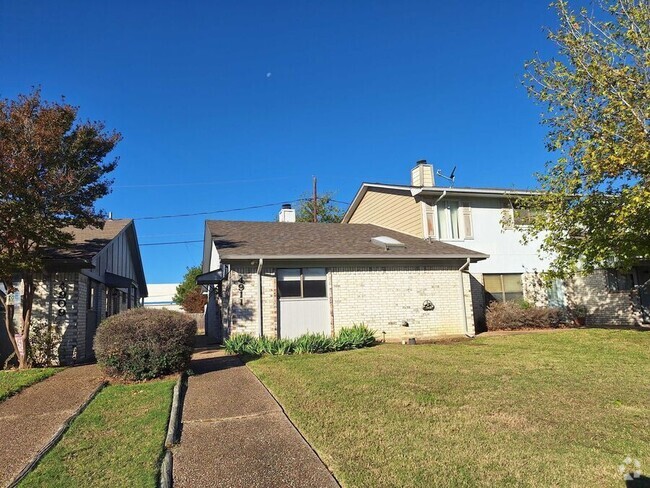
[422, 174]
[287, 214]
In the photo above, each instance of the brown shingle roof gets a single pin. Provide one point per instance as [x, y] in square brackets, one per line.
[245, 240]
[89, 241]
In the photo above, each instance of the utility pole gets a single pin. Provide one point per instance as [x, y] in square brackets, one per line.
[315, 203]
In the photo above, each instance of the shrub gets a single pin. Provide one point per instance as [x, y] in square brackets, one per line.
[313, 343]
[44, 343]
[354, 337]
[513, 316]
[238, 343]
[348, 338]
[142, 344]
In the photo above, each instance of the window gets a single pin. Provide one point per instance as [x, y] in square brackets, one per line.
[619, 280]
[524, 216]
[302, 283]
[92, 290]
[503, 287]
[448, 220]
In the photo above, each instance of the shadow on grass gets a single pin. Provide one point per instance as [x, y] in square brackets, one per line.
[640, 482]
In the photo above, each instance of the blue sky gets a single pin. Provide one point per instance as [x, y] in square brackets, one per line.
[234, 104]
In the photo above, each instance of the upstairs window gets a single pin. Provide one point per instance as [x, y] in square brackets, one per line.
[302, 283]
[448, 220]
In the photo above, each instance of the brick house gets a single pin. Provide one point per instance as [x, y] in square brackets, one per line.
[483, 219]
[284, 279]
[99, 275]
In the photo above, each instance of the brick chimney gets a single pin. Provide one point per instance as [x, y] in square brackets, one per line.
[287, 214]
[422, 174]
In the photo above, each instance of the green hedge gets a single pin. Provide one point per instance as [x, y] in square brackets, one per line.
[354, 337]
[142, 344]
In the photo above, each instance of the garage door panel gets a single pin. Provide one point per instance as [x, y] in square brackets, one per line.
[304, 315]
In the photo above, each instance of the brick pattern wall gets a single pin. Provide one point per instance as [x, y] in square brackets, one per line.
[240, 310]
[269, 302]
[604, 307]
[380, 297]
[60, 302]
[384, 298]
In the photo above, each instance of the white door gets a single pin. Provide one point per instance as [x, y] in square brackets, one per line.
[304, 306]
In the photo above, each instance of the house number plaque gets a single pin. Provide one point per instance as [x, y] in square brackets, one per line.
[61, 296]
[241, 290]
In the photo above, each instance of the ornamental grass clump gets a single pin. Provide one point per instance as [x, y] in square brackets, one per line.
[142, 344]
[313, 344]
[354, 337]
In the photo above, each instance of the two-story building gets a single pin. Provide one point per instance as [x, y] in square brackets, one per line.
[483, 220]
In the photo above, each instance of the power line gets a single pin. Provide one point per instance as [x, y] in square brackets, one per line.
[156, 217]
[201, 183]
[195, 214]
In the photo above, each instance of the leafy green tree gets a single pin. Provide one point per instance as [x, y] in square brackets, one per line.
[594, 203]
[187, 285]
[326, 210]
[52, 171]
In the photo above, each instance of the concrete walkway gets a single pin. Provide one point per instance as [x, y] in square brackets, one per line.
[29, 420]
[235, 434]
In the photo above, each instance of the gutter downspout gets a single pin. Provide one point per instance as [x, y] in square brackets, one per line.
[462, 294]
[259, 296]
[444, 194]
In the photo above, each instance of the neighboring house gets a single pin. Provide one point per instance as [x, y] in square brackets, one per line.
[482, 219]
[99, 275]
[161, 296]
[284, 279]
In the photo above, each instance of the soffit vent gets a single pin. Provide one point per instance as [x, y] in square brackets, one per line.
[387, 243]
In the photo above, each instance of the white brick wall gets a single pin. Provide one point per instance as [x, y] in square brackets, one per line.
[60, 301]
[384, 298]
[604, 307]
[379, 296]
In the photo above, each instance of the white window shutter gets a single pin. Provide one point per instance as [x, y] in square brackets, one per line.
[468, 228]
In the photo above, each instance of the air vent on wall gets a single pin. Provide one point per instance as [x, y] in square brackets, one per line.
[387, 243]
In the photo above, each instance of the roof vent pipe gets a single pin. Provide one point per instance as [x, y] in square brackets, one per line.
[287, 214]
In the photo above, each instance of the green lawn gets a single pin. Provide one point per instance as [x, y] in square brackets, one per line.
[541, 409]
[117, 441]
[11, 382]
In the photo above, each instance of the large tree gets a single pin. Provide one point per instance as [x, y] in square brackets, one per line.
[326, 209]
[52, 171]
[595, 193]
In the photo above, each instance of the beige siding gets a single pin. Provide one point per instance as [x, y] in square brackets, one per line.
[390, 209]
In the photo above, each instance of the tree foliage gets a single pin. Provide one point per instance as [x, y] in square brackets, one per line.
[187, 285]
[194, 301]
[326, 209]
[595, 194]
[52, 171]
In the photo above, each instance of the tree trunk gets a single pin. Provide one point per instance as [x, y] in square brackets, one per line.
[8, 323]
[28, 301]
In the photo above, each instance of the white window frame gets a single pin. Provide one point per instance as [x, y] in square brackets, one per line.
[449, 222]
